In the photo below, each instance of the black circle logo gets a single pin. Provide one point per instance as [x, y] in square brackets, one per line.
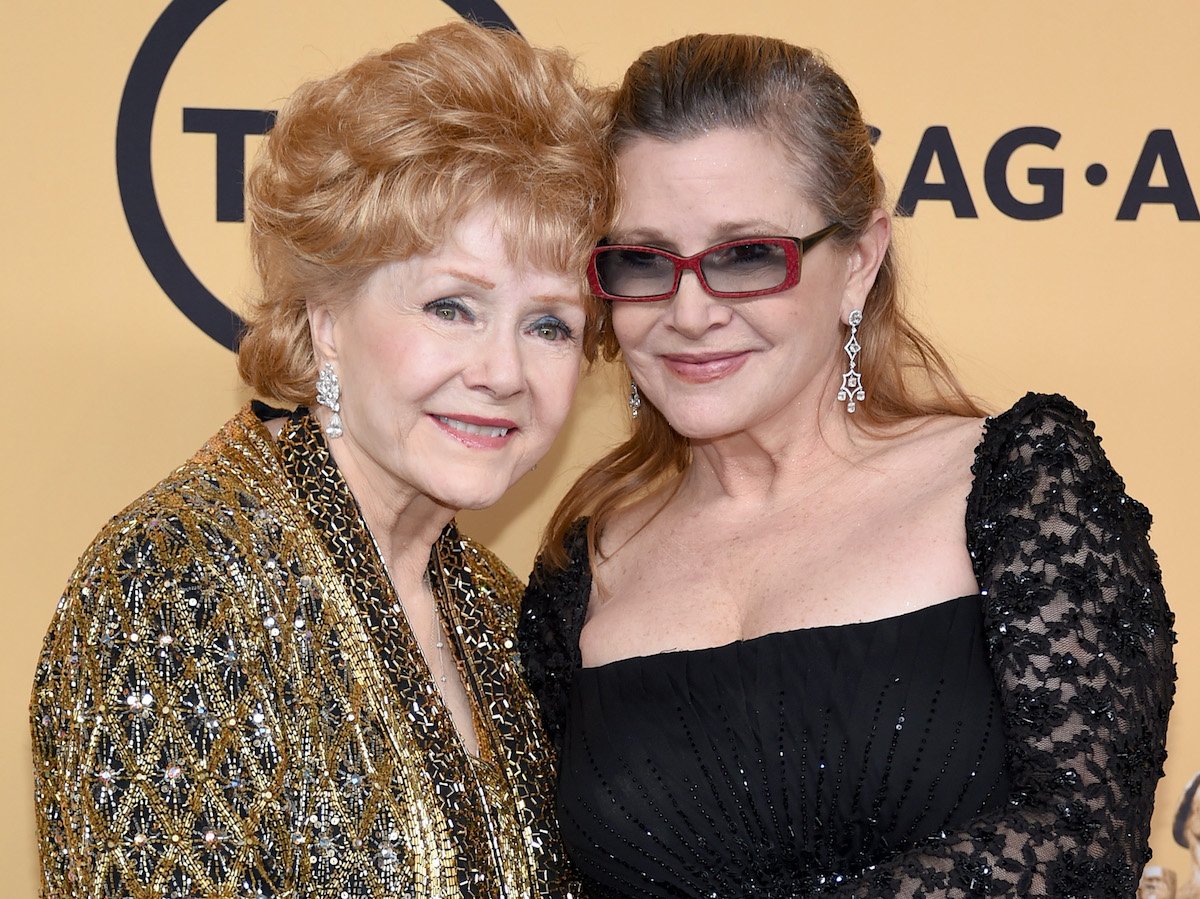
[135, 177]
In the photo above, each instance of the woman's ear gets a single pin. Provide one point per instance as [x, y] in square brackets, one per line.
[864, 259]
[322, 329]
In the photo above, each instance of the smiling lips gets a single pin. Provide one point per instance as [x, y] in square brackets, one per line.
[476, 432]
[700, 368]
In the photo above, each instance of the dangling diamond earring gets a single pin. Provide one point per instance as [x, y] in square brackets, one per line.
[852, 388]
[635, 400]
[329, 391]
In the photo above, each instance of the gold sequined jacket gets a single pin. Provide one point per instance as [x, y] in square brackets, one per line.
[230, 702]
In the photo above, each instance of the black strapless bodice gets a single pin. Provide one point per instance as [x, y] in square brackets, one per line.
[760, 767]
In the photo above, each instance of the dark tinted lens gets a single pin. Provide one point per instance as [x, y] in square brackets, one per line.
[747, 266]
[634, 273]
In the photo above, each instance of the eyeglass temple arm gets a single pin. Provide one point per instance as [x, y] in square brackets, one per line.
[807, 243]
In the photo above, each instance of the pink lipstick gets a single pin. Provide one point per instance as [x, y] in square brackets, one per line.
[701, 368]
[476, 431]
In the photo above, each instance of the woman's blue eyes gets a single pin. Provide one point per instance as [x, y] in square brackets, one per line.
[448, 310]
[548, 327]
[551, 328]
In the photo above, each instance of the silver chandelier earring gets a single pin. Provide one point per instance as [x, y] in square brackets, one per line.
[852, 387]
[329, 392]
[635, 400]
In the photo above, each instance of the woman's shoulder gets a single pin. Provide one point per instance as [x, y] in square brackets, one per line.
[928, 459]
[575, 551]
[555, 602]
[1033, 416]
[938, 437]
[1041, 467]
[1042, 437]
[1037, 427]
[187, 523]
[625, 522]
[552, 616]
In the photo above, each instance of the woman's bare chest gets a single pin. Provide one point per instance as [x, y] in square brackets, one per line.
[691, 582]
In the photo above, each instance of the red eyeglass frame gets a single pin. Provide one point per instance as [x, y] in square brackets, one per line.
[794, 250]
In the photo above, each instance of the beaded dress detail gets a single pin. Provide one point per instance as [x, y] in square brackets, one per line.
[1005, 744]
[230, 702]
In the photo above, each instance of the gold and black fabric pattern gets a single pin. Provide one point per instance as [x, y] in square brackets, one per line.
[230, 702]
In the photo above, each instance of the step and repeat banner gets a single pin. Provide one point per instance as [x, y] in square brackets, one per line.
[1044, 162]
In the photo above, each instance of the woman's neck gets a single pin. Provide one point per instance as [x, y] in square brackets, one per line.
[404, 522]
[770, 463]
[404, 531]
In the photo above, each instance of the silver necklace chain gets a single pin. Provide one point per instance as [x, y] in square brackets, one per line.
[436, 631]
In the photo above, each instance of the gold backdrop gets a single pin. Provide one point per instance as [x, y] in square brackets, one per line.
[1051, 154]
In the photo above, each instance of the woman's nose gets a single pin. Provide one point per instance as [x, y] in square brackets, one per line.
[496, 365]
[693, 311]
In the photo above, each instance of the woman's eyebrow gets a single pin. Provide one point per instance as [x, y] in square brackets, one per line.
[719, 233]
[550, 300]
[477, 280]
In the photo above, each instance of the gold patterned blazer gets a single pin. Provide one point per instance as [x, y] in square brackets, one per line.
[230, 702]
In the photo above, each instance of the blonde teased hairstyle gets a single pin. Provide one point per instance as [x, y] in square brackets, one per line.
[683, 89]
[378, 162]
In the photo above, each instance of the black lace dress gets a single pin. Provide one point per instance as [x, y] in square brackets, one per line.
[1004, 744]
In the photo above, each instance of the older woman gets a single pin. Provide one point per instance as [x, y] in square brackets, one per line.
[823, 628]
[282, 672]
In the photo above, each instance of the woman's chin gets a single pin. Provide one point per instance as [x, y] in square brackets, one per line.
[468, 500]
[477, 505]
[476, 494]
[708, 424]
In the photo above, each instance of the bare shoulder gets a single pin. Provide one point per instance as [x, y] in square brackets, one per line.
[947, 437]
[630, 520]
[936, 450]
[935, 430]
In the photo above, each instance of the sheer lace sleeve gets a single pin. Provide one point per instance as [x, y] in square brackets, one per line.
[551, 620]
[1080, 641]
